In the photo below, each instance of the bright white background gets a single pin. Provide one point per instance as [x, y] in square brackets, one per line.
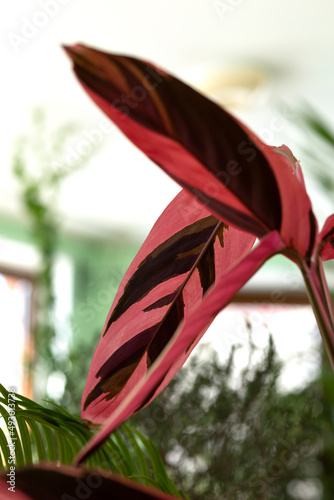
[291, 43]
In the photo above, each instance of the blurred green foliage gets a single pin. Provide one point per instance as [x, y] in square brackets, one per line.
[40, 168]
[223, 441]
[40, 164]
[40, 180]
[317, 147]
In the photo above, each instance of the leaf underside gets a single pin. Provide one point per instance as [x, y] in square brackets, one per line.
[169, 277]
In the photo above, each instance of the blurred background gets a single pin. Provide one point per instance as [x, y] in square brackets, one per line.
[77, 199]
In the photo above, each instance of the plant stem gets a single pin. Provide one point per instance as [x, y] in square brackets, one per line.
[320, 300]
[323, 281]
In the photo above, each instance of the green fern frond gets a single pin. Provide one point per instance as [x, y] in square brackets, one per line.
[52, 434]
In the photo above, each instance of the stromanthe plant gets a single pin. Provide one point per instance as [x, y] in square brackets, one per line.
[229, 178]
[236, 191]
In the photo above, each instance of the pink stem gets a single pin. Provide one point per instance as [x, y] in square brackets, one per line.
[320, 300]
[323, 281]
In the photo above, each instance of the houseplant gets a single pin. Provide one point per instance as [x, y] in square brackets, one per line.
[200, 251]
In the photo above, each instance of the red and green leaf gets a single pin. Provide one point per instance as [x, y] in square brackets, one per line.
[51, 482]
[181, 259]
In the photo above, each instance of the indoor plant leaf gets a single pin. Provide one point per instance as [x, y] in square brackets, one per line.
[326, 239]
[69, 483]
[185, 339]
[179, 261]
[242, 181]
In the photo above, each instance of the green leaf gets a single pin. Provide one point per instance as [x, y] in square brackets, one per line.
[126, 455]
[145, 471]
[25, 438]
[160, 475]
[65, 456]
[55, 435]
[50, 443]
[36, 438]
[4, 448]
[14, 437]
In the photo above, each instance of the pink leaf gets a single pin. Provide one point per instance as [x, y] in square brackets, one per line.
[186, 337]
[175, 125]
[326, 239]
[51, 482]
[299, 225]
[184, 254]
[9, 494]
[240, 179]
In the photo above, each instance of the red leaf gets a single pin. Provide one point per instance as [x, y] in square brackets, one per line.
[239, 179]
[7, 494]
[326, 239]
[243, 181]
[186, 337]
[51, 482]
[299, 225]
[185, 252]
